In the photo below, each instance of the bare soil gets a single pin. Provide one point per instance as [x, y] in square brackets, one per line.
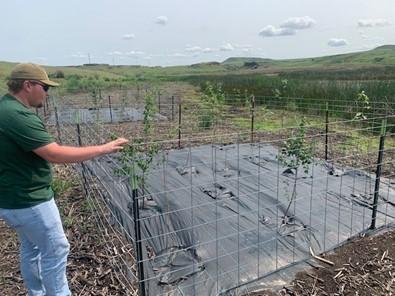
[364, 267]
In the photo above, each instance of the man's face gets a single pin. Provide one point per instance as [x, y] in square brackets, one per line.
[38, 93]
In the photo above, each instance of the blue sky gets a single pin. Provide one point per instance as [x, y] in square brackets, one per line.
[178, 32]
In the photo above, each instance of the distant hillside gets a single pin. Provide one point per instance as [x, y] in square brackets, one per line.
[378, 58]
[5, 68]
[383, 55]
[235, 61]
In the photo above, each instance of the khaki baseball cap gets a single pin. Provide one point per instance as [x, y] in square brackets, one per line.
[28, 71]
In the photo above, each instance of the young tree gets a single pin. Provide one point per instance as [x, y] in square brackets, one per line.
[279, 94]
[362, 104]
[296, 153]
[213, 103]
[137, 157]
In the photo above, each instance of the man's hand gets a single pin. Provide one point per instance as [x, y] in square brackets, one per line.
[114, 146]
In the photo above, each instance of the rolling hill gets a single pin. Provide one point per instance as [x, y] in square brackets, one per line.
[379, 57]
[383, 55]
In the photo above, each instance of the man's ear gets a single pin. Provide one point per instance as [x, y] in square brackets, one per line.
[27, 86]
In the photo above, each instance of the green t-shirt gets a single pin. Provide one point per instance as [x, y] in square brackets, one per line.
[25, 177]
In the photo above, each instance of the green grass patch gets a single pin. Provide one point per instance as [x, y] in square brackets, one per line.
[273, 120]
[364, 142]
[61, 186]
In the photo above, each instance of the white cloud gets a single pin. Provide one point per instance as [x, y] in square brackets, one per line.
[243, 45]
[298, 23]
[115, 53]
[226, 47]
[207, 50]
[193, 49]
[335, 42]
[178, 55]
[134, 53]
[79, 55]
[128, 36]
[162, 20]
[198, 49]
[288, 27]
[271, 31]
[368, 23]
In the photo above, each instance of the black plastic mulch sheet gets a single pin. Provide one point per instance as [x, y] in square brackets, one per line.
[103, 115]
[213, 217]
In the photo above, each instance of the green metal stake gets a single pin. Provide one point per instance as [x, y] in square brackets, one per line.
[137, 233]
[378, 174]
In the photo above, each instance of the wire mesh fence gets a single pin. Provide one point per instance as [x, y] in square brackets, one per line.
[214, 197]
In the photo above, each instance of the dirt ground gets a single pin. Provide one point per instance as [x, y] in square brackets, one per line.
[364, 267]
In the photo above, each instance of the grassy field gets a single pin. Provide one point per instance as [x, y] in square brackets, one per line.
[337, 78]
[380, 61]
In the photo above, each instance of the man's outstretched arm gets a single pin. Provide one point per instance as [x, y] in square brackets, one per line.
[56, 153]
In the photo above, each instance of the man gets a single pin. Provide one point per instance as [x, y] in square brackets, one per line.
[26, 197]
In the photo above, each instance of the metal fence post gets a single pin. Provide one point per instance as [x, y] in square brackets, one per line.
[137, 234]
[57, 125]
[79, 135]
[378, 174]
[85, 182]
[179, 125]
[45, 110]
[159, 102]
[326, 130]
[47, 104]
[252, 117]
[172, 108]
[110, 108]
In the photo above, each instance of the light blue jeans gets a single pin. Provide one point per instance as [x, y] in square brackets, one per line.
[44, 248]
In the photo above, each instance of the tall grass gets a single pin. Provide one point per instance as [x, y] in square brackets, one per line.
[311, 90]
[302, 86]
[308, 93]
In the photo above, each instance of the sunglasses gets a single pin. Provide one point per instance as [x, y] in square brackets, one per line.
[44, 86]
